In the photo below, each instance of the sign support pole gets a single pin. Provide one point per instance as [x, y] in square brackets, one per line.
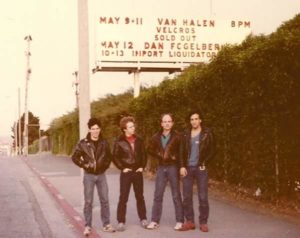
[83, 64]
[137, 83]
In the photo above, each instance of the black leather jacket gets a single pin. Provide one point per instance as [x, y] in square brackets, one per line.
[171, 154]
[125, 157]
[206, 146]
[92, 160]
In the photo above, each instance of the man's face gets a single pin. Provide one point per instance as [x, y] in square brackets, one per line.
[195, 121]
[95, 132]
[130, 129]
[167, 122]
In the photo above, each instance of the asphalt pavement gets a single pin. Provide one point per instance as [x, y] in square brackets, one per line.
[41, 196]
[26, 209]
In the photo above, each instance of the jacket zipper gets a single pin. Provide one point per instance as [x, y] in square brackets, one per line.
[93, 157]
[131, 150]
[168, 142]
[189, 145]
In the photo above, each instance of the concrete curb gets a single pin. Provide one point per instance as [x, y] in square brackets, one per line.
[71, 214]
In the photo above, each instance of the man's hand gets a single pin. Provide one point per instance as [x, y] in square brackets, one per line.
[183, 171]
[139, 170]
[126, 170]
[89, 165]
[202, 167]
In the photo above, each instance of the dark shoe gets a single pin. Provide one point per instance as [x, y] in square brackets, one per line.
[188, 225]
[204, 227]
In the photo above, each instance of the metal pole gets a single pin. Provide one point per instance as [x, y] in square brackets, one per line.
[28, 71]
[16, 138]
[83, 69]
[19, 133]
[40, 142]
[137, 85]
[76, 83]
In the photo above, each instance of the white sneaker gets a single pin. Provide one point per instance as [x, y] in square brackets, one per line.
[178, 226]
[121, 227]
[109, 228]
[87, 231]
[153, 225]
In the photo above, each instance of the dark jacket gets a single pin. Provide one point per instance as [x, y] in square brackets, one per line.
[125, 157]
[206, 146]
[171, 154]
[92, 160]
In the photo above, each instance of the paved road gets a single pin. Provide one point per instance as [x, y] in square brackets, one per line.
[226, 221]
[26, 210]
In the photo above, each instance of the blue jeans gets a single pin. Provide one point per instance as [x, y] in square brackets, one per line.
[136, 179]
[165, 174]
[89, 183]
[201, 177]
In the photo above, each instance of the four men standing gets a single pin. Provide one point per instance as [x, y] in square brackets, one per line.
[176, 154]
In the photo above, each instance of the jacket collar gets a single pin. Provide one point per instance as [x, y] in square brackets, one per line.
[88, 137]
[160, 133]
[123, 137]
[202, 133]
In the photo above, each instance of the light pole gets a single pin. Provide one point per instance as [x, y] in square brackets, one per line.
[83, 70]
[28, 72]
[19, 133]
[16, 138]
[76, 83]
[83, 67]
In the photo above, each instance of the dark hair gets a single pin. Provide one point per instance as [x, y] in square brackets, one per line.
[124, 121]
[94, 121]
[166, 114]
[195, 111]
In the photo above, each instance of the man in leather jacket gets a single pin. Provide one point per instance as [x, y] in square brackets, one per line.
[129, 156]
[165, 147]
[93, 155]
[197, 150]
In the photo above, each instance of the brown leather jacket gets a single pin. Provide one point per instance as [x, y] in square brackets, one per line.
[125, 157]
[171, 154]
[207, 147]
[92, 160]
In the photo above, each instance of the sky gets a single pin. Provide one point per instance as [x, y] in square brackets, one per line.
[53, 26]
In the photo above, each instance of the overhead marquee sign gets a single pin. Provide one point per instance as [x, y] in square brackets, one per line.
[164, 39]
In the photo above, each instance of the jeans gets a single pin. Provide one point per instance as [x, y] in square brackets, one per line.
[136, 179]
[165, 174]
[89, 183]
[201, 177]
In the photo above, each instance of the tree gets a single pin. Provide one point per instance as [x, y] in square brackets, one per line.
[33, 129]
